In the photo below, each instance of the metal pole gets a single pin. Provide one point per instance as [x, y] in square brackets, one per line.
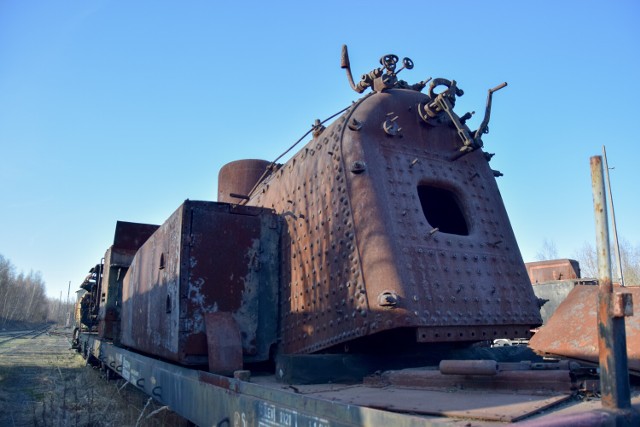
[59, 314]
[67, 306]
[616, 246]
[614, 373]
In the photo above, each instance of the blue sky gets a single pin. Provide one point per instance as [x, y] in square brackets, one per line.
[121, 110]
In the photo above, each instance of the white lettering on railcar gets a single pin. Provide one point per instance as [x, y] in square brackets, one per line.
[272, 416]
[239, 420]
[125, 369]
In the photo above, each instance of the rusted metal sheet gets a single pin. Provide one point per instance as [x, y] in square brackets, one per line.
[468, 367]
[224, 343]
[516, 381]
[554, 292]
[556, 269]
[207, 257]
[116, 264]
[506, 407]
[127, 240]
[387, 232]
[573, 330]
[129, 236]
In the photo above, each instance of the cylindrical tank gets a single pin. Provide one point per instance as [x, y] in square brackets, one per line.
[239, 178]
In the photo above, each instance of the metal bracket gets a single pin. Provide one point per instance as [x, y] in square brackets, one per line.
[622, 304]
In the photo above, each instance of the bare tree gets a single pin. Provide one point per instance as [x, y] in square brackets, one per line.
[630, 259]
[588, 259]
[548, 251]
[22, 296]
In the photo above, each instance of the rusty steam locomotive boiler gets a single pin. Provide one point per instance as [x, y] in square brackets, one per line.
[386, 227]
[393, 221]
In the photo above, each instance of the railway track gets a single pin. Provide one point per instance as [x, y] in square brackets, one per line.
[6, 337]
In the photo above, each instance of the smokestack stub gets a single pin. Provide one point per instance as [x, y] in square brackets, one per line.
[239, 178]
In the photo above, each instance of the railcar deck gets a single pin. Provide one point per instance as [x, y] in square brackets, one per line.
[410, 397]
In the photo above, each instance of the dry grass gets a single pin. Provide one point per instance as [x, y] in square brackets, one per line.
[44, 383]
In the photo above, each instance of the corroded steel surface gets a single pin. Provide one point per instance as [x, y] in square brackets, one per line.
[224, 343]
[613, 360]
[116, 264]
[506, 407]
[238, 179]
[554, 292]
[128, 238]
[573, 330]
[130, 235]
[386, 230]
[524, 381]
[207, 257]
[556, 269]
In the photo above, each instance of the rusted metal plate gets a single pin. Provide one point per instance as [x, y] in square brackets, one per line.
[588, 413]
[573, 330]
[116, 264]
[128, 238]
[536, 382]
[451, 403]
[207, 257]
[555, 292]
[224, 343]
[556, 269]
[131, 235]
[388, 232]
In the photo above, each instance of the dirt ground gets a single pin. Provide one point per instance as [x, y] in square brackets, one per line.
[45, 383]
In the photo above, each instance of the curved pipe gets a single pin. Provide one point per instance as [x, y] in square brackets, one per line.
[345, 64]
[487, 112]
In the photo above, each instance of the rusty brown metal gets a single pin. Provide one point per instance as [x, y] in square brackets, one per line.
[116, 264]
[129, 236]
[468, 367]
[207, 257]
[454, 402]
[556, 269]
[127, 240]
[224, 343]
[237, 179]
[573, 330]
[372, 217]
[552, 293]
[612, 341]
[515, 381]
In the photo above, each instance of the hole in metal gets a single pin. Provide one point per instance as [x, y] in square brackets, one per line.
[442, 209]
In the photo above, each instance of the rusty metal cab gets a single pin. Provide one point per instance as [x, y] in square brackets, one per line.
[206, 258]
[555, 269]
[128, 238]
[392, 229]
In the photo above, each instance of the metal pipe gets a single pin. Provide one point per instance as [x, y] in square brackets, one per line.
[614, 373]
[600, 211]
[616, 246]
